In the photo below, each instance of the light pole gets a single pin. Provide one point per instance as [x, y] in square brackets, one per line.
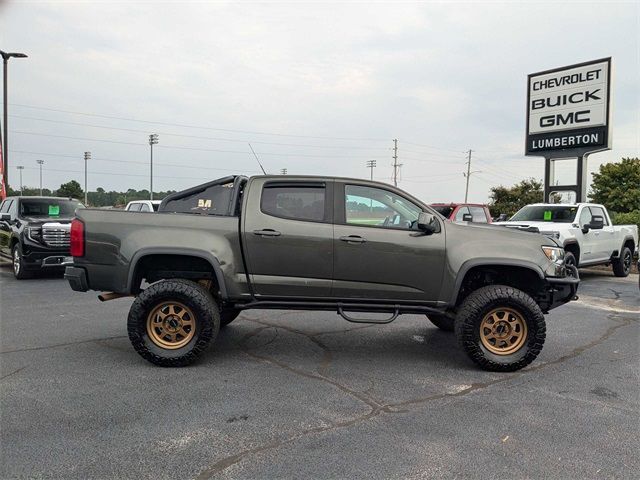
[40, 162]
[371, 164]
[5, 142]
[20, 168]
[153, 140]
[87, 156]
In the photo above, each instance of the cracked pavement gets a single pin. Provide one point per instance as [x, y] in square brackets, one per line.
[286, 394]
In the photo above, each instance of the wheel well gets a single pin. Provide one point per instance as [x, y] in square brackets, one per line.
[14, 240]
[629, 243]
[573, 248]
[155, 267]
[522, 278]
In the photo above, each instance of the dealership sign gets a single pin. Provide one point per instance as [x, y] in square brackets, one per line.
[568, 109]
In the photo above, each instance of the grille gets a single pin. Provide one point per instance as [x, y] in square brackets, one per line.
[56, 235]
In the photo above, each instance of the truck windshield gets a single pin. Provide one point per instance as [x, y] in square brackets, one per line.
[546, 213]
[444, 210]
[48, 207]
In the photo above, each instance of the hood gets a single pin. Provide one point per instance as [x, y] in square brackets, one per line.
[498, 231]
[542, 226]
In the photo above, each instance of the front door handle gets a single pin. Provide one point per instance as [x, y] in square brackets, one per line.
[267, 232]
[353, 239]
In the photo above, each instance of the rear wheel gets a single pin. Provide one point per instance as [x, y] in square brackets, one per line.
[442, 322]
[622, 264]
[172, 322]
[501, 328]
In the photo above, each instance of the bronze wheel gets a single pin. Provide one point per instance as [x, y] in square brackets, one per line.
[503, 331]
[171, 325]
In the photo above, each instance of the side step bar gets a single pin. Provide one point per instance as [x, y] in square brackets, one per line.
[342, 308]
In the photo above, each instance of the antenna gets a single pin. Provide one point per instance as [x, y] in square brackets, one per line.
[257, 160]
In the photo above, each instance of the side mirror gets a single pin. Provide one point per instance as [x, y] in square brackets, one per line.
[5, 217]
[467, 217]
[427, 223]
[597, 222]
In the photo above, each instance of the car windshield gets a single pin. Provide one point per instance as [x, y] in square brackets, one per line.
[546, 213]
[50, 207]
[444, 210]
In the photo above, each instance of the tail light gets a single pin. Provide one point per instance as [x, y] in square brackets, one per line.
[77, 238]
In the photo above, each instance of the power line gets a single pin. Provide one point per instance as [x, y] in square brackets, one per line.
[182, 125]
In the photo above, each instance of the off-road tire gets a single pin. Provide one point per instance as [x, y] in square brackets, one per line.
[472, 312]
[622, 264]
[195, 297]
[228, 315]
[21, 272]
[442, 322]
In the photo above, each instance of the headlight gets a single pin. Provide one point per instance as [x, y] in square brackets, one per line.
[34, 233]
[555, 254]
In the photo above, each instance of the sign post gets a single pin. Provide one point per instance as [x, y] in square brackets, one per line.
[569, 116]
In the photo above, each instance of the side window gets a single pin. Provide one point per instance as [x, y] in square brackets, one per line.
[375, 207]
[478, 214]
[144, 207]
[599, 211]
[297, 202]
[135, 207]
[460, 213]
[585, 216]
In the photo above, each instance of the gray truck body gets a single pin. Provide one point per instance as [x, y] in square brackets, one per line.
[254, 258]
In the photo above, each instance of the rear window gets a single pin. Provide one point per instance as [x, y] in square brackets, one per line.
[294, 202]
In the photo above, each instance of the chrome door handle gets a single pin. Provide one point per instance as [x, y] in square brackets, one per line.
[267, 232]
[353, 239]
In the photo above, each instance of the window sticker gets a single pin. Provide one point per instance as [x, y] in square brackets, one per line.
[547, 215]
[54, 210]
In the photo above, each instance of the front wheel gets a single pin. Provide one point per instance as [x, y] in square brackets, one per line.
[622, 264]
[570, 259]
[171, 323]
[501, 329]
[19, 268]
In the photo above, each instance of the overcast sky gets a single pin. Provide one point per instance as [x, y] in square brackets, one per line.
[317, 88]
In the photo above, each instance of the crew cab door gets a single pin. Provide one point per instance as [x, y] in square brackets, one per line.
[288, 237]
[5, 227]
[378, 251]
[596, 245]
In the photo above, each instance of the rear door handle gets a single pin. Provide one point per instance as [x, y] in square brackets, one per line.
[353, 239]
[267, 232]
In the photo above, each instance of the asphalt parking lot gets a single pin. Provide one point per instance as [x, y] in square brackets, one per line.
[308, 395]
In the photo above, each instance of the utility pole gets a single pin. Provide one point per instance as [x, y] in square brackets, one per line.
[87, 156]
[153, 140]
[371, 164]
[20, 168]
[40, 162]
[283, 171]
[5, 141]
[396, 166]
[468, 175]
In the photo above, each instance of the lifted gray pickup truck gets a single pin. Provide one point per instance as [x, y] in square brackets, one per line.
[316, 243]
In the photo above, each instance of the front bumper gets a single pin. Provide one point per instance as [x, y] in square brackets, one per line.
[560, 290]
[77, 278]
[33, 259]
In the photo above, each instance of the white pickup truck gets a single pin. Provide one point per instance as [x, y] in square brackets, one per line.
[585, 231]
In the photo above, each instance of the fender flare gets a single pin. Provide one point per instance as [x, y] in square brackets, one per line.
[489, 262]
[188, 252]
[572, 241]
[625, 240]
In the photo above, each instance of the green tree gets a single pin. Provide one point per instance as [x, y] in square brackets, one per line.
[617, 185]
[70, 189]
[511, 199]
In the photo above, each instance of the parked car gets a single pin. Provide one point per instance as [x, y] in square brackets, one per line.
[463, 212]
[143, 206]
[585, 231]
[34, 232]
[317, 243]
